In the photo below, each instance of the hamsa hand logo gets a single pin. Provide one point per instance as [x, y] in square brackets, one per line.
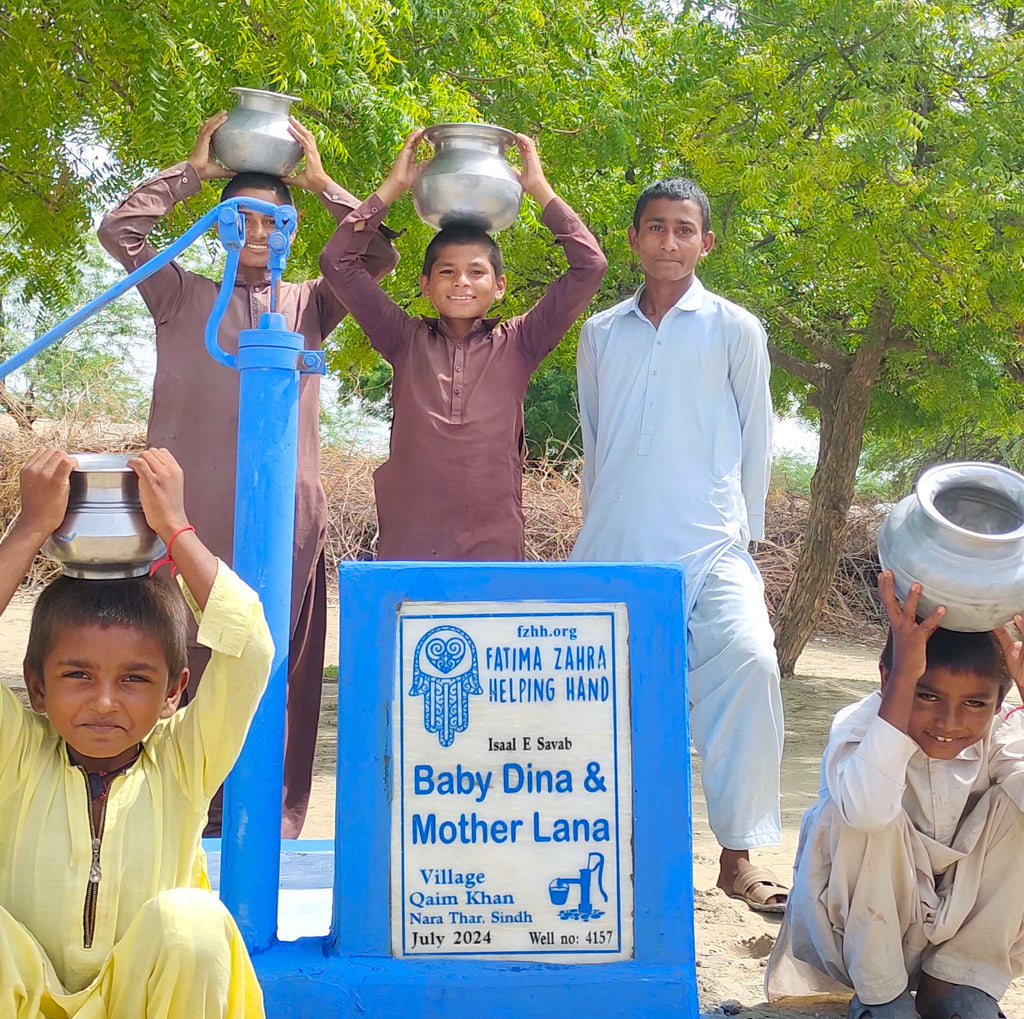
[445, 673]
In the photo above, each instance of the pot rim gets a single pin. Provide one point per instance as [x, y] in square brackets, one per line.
[92, 463]
[977, 472]
[502, 135]
[243, 90]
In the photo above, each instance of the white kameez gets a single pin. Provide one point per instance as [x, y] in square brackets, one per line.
[907, 863]
[677, 435]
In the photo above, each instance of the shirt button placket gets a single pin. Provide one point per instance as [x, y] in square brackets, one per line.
[650, 401]
[457, 384]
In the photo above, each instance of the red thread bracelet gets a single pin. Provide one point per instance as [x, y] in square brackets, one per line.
[168, 558]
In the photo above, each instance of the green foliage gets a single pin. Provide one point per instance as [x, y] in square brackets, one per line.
[89, 373]
[552, 415]
[864, 157]
[793, 474]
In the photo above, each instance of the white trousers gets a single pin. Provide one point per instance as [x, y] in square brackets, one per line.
[871, 910]
[736, 704]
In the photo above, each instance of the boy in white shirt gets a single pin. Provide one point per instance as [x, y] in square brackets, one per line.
[910, 870]
[676, 417]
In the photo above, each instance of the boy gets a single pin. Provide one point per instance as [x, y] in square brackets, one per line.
[452, 486]
[105, 907]
[909, 869]
[677, 438]
[194, 411]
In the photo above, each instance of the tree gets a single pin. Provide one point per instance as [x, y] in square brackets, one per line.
[892, 244]
[864, 159]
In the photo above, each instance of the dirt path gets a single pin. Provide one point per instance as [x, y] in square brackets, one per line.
[732, 942]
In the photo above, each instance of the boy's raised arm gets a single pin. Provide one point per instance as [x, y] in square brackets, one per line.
[162, 491]
[343, 261]
[123, 231]
[544, 325]
[380, 256]
[231, 623]
[866, 775]
[45, 486]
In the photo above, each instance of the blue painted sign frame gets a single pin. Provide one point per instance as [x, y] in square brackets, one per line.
[352, 972]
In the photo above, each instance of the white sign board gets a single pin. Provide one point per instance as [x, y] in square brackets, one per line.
[512, 807]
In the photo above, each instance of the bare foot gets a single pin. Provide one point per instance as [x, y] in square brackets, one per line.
[929, 990]
[731, 864]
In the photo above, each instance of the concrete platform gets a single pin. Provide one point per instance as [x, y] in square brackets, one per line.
[307, 874]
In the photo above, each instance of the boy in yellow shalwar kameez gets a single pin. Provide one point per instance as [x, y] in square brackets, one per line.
[105, 908]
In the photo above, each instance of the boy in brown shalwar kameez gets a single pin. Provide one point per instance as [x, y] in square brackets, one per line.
[452, 486]
[194, 411]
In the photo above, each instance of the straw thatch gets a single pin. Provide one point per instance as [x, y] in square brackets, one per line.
[551, 509]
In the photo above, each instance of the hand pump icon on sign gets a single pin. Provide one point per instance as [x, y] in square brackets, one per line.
[558, 889]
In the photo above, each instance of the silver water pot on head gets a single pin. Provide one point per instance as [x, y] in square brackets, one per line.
[468, 180]
[104, 534]
[255, 137]
[961, 537]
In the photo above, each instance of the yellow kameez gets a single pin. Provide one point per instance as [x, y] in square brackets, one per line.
[161, 944]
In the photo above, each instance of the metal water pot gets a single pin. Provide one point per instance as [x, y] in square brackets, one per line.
[255, 137]
[468, 180]
[961, 537]
[104, 534]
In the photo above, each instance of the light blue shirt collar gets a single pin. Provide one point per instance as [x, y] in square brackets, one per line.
[692, 300]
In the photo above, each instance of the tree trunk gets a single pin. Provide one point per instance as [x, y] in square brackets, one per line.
[844, 399]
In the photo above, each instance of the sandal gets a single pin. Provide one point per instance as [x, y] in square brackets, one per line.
[965, 1002]
[899, 1008]
[755, 886]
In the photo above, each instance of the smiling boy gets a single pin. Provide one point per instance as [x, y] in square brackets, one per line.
[105, 907]
[910, 872]
[452, 486]
[677, 437]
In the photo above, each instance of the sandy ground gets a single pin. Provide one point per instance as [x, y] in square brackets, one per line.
[732, 942]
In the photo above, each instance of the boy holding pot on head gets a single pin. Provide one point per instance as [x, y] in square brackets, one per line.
[677, 438]
[194, 411]
[105, 906]
[452, 486]
[909, 871]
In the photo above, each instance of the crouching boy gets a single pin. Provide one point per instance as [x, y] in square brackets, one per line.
[910, 870]
[105, 907]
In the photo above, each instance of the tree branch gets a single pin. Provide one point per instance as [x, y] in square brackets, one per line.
[820, 346]
[795, 366]
[928, 258]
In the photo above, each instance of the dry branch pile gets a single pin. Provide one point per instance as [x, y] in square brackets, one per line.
[852, 610]
[551, 509]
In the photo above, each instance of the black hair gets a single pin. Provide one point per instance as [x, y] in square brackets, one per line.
[980, 653]
[147, 604]
[260, 181]
[462, 233]
[678, 189]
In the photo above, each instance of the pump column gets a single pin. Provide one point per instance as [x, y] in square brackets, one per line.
[270, 361]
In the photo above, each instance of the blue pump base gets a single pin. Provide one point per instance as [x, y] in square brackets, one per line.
[300, 981]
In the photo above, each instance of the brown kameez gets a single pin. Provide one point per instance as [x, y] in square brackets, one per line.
[194, 414]
[452, 486]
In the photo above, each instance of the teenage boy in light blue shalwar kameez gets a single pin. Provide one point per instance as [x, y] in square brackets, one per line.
[677, 429]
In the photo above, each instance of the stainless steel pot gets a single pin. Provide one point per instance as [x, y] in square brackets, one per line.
[961, 537]
[104, 534]
[468, 180]
[255, 137]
